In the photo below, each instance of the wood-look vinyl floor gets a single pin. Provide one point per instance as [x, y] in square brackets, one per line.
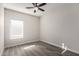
[33, 49]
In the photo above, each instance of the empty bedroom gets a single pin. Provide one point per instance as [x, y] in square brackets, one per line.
[39, 29]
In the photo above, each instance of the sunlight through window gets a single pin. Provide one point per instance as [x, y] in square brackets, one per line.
[29, 47]
[16, 29]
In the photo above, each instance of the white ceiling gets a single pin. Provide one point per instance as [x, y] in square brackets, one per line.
[21, 7]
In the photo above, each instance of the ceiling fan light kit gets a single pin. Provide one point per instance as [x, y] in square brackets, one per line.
[37, 7]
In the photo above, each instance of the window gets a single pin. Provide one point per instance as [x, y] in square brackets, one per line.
[16, 29]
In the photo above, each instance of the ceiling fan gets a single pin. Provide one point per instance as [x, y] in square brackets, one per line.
[37, 7]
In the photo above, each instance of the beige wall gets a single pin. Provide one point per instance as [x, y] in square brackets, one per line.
[1, 29]
[31, 28]
[60, 25]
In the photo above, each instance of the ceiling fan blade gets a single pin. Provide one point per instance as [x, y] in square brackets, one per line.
[29, 7]
[34, 11]
[35, 4]
[42, 4]
[41, 9]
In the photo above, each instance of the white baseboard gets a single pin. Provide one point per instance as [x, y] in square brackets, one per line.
[73, 51]
[60, 47]
[29, 41]
[51, 43]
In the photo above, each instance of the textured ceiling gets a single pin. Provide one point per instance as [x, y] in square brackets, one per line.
[21, 7]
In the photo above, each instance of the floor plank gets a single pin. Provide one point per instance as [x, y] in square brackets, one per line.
[35, 49]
